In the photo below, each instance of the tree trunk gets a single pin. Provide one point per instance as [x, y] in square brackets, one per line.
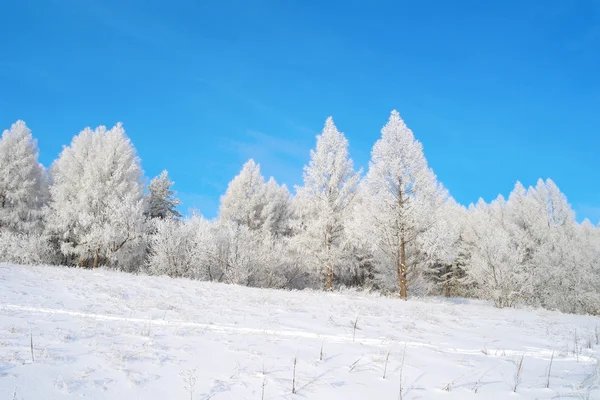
[402, 267]
[329, 278]
[402, 272]
[445, 277]
[96, 259]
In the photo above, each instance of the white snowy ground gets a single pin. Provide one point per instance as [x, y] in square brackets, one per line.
[109, 335]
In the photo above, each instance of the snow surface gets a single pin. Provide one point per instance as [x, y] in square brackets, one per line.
[108, 335]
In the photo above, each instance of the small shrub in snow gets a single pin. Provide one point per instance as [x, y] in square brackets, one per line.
[25, 248]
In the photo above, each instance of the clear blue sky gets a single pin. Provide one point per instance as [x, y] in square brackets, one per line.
[497, 91]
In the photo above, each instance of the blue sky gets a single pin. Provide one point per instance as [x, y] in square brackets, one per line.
[497, 91]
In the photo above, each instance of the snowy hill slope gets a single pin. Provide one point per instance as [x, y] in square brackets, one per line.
[109, 335]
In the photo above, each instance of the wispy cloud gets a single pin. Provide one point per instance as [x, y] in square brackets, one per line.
[262, 143]
[259, 106]
[280, 156]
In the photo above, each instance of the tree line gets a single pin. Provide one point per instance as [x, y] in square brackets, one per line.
[394, 229]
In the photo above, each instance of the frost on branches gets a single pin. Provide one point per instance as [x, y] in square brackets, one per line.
[96, 208]
[161, 198]
[22, 184]
[531, 250]
[403, 208]
[397, 230]
[257, 205]
[23, 191]
[323, 202]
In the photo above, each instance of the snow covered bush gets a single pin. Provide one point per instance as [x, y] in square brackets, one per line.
[182, 249]
[225, 252]
[25, 248]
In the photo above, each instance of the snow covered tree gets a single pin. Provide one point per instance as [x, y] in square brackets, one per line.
[404, 205]
[251, 202]
[243, 201]
[587, 257]
[96, 209]
[23, 188]
[323, 202]
[277, 209]
[254, 219]
[527, 249]
[448, 254]
[495, 263]
[162, 202]
[531, 250]
[555, 257]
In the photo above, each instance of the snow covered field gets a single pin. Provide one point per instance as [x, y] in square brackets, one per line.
[108, 335]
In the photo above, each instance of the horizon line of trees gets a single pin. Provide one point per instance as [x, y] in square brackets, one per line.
[394, 229]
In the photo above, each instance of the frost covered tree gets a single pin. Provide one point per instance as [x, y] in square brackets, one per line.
[555, 256]
[96, 208]
[403, 206]
[254, 219]
[324, 202]
[183, 249]
[162, 202]
[23, 188]
[243, 201]
[257, 205]
[277, 209]
[241, 247]
[587, 256]
[448, 254]
[531, 250]
[495, 263]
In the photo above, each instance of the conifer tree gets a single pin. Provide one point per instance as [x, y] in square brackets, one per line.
[162, 201]
[324, 201]
[403, 203]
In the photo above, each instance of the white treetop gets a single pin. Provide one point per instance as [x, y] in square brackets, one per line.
[251, 202]
[396, 230]
[403, 204]
[22, 185]
[96, 207]
[243, 201]
[161, 199]
[323, 202]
